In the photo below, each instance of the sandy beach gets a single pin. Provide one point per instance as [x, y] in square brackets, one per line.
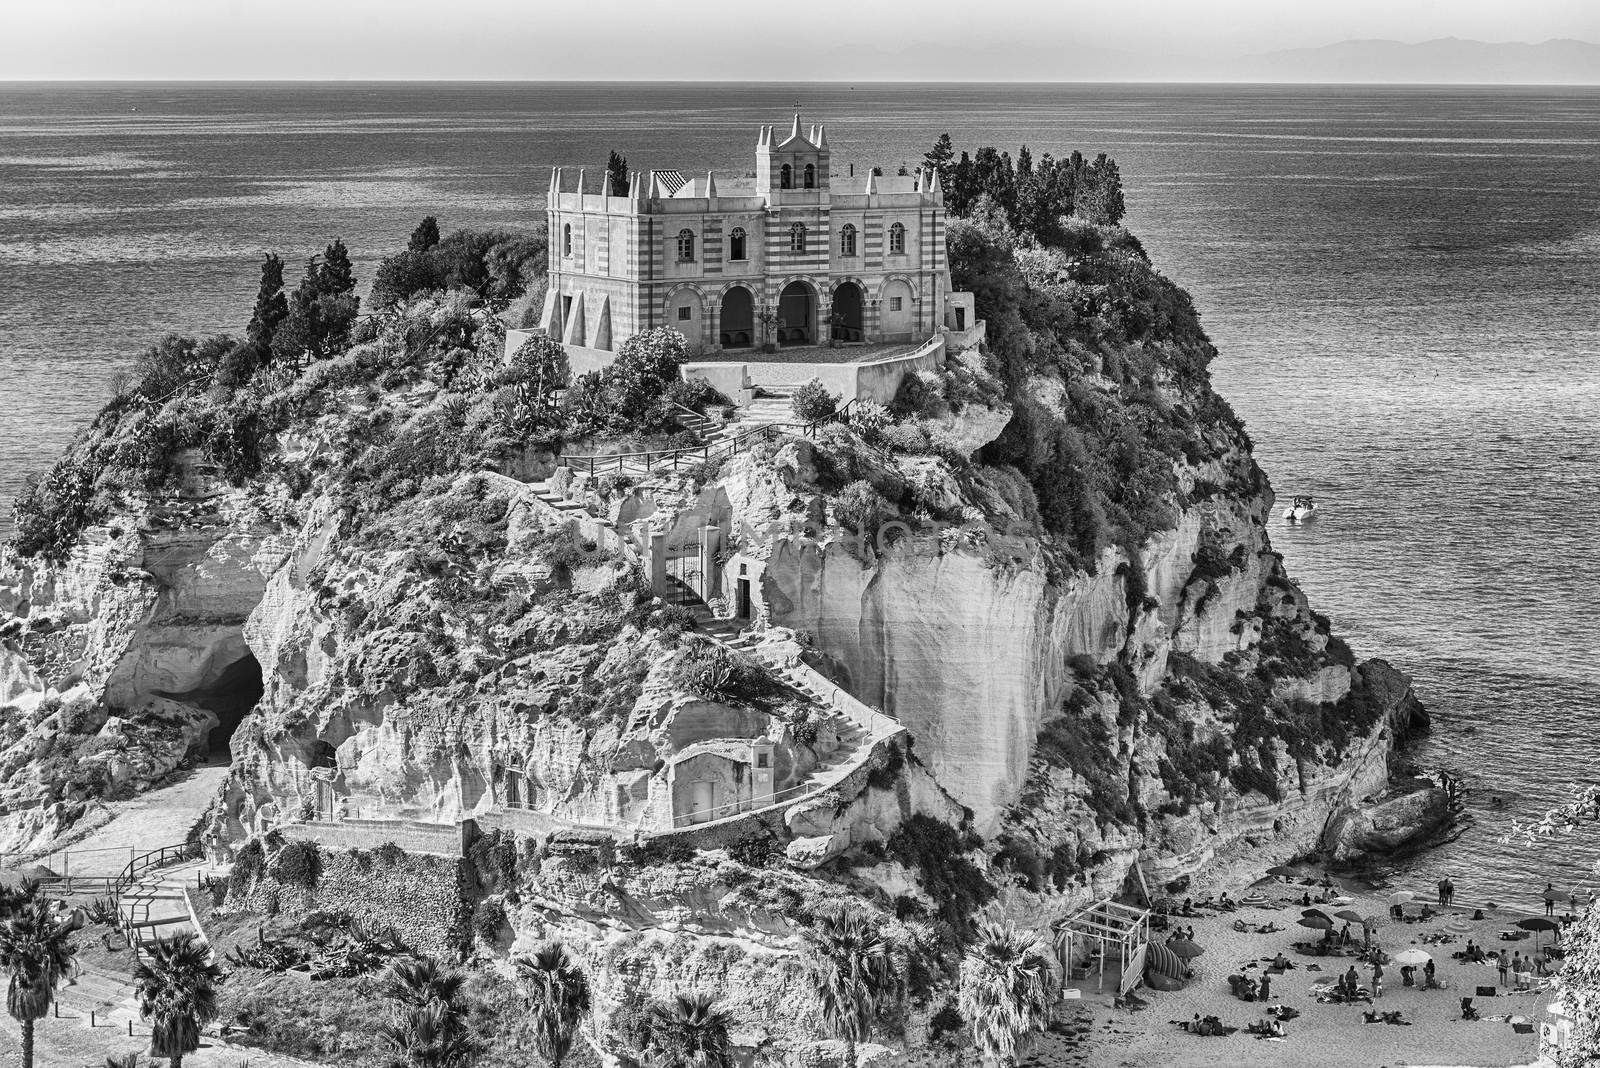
[1323, 1033]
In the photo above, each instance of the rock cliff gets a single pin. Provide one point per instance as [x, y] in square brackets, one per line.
[1048, 561]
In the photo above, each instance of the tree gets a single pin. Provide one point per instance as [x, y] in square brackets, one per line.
[169, 366]
[272, 307]
[617, 174]
[852, 967]
[1098, 192]
[322, 309]
[336, 274]
[1005, 990]
[538, 370]
[37, 951]
[939, 158]
[558, 994]
[688, 1032]
[425, 236]
[421, 982]
[176, 986]
[405, 274]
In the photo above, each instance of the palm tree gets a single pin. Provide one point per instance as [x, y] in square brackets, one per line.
[1005, 990]
[426, 1036]
[123, 1060]
[688, 1032]
[853, 968]
[36, 948]
[558, 993]
[176, 985]
[420, 982]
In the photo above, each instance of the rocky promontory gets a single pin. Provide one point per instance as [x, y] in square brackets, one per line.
[1022, 637]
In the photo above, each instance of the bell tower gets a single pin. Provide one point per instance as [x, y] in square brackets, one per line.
[797, 164]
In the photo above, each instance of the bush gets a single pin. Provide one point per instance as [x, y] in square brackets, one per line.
[488, 919]
[53, 511]
[812, 402]
[935, 851]
[248, 863]
[298, 863]
[716, 672]
[862, 509]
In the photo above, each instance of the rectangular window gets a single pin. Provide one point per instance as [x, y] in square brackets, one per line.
[894, 303]
[761, 760]
[684, 314]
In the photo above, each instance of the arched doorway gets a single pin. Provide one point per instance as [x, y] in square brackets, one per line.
[848, 313]
[797, 307]
[738, 320]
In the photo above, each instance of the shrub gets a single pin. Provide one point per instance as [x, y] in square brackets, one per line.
[53, 511]
[389, 854]
[248, 863]
[812, 402]
[862, 509]
[935, 851]
[488, 919]
[298, 863]
[718, 673]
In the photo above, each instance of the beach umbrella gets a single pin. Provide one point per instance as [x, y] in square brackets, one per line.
[1537, 924]
[1413, 957]
[1349, 914]
[1185, 949]
[1402, 897]
[1317, 914]
[1316, 923]
[1283, 871]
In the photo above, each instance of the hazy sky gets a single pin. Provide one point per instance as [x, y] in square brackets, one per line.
[798, 40]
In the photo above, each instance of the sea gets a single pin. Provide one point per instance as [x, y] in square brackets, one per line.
[1404, 284]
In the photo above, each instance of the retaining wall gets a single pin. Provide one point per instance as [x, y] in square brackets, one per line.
[414, 836]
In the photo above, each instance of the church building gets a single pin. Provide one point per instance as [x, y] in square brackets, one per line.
[800, 257]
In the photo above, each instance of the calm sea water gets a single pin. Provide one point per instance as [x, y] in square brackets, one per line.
[1404, 284]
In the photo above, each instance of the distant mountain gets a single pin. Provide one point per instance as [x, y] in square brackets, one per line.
[1447, 59]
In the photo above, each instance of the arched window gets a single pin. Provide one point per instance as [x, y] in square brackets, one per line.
[811, 176]
[897, 240]
[566, 239]
[847, 240]
[797, 237]
[685, 245]
[736, 244]
[786, 177]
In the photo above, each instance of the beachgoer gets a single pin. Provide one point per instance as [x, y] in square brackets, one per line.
[1344, 934]
[1408, 975]
[1443, 895]
[1449, 891]
[1429, 970]
[1280, 962]
[1305, 900]
[1517, 966]
[1278, 1030]
[1227, 902]
[1549, 899]
[1352, 980]
[1504, 964]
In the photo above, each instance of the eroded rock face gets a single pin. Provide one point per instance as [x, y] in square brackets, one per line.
[122, 661]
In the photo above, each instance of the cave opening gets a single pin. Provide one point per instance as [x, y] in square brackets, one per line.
[229, 697]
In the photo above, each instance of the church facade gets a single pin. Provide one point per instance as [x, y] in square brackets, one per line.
[801, 257]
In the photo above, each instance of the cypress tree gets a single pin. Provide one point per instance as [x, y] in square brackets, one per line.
[272, 307]
[335, 275]
[425, 236]
[617, 174]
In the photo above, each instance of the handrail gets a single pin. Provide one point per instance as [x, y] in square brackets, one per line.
[142, 863]
[595, 463]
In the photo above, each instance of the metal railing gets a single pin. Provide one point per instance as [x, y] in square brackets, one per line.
[652, 459]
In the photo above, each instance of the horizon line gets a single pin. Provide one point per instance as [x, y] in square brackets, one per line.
[829, 82]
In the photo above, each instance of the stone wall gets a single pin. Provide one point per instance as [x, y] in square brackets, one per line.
[427, 898]
[414, 836]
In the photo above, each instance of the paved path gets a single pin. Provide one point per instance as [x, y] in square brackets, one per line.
[157, 818]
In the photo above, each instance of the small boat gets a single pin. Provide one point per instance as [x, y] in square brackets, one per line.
[1303, 510]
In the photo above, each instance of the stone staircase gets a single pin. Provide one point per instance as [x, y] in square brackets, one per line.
[155, 907]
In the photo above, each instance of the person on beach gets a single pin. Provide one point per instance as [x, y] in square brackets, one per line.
[1549, 899]
[1428, 971]
[1444, 898]
[1504, 964]
[1449, 890]
[1517, 966]
[1265, 992]
[1377, 979]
